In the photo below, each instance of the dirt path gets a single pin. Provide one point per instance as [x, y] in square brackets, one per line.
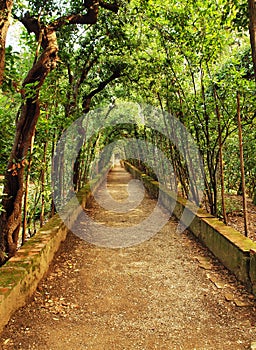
[165, 293]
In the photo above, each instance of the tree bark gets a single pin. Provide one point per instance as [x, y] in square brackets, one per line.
[25, 128]
[5, 19]
[252, 31]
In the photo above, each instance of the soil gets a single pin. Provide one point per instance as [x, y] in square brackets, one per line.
[167, 292]
[235, 215]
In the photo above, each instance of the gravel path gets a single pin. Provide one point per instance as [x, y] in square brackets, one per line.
[165, 293]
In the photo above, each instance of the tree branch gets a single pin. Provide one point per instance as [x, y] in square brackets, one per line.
[89, 18]
[111, 7]
[31, 24]
[87, 99]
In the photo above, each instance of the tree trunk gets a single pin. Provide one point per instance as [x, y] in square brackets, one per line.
[221, 159]
[25, 206]
[252, 30]
[242, 166]
[5, 18]
[11, 218]
[43, 174]
[53, 146]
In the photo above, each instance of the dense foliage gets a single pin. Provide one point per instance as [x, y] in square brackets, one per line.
[189, 59]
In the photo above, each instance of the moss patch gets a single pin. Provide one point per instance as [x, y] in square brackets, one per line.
[11, 276]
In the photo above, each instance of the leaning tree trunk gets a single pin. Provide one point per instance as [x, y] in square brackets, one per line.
[10, 220]
[5, 18]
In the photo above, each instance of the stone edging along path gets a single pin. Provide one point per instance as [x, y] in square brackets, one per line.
[20, 276]
[234, 250]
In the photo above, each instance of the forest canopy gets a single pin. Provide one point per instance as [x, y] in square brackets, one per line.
[194, 60]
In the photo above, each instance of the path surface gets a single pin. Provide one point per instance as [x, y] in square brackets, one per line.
[165, 293]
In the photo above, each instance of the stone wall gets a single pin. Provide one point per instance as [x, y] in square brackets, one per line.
[20, 276]
[234, 250]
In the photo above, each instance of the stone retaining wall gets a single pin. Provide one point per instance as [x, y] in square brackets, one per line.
[234, 250]
[20, 276]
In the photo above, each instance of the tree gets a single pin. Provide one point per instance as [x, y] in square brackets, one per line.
[5, 18]
[252, 30]
[46, 35]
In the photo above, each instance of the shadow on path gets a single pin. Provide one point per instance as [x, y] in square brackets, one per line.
[164, 293]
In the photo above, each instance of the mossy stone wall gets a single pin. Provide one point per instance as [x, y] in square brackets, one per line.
[235, 251]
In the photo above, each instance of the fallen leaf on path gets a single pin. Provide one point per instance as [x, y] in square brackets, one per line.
[205, 265]
[204, 262]
[241, 303]
[216, 281]
[202, 259]
[229, 296]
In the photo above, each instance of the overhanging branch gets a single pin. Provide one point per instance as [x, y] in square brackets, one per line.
[87, 99]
